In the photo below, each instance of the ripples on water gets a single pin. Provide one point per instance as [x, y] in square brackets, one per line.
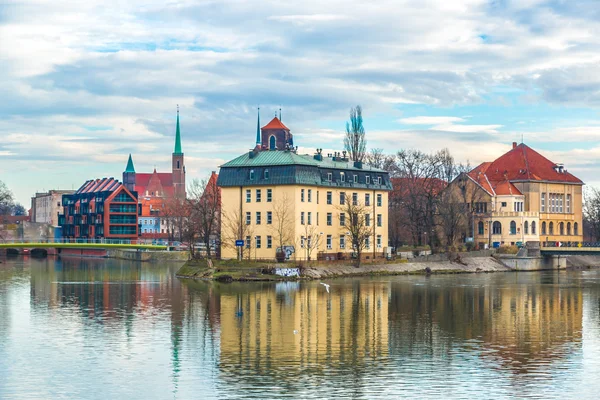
[114, 329]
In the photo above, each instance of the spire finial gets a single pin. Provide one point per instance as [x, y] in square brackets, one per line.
[280, 113]
[258, 141]
[177, 136]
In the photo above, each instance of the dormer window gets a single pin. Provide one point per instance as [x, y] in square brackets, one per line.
[329, 176]
[342, 177]
[266, 174]
[355, 178]
[251, 174]
[368, 180]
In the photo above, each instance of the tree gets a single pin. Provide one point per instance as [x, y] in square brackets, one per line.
[6, 200]
[312, 240]
[283, 222]
[235, 228]
[175, 214]
[204, 199]
[355, 224]
[18, 209]
[354, 141]
[591, 211]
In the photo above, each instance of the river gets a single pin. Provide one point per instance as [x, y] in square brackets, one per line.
[111, 329]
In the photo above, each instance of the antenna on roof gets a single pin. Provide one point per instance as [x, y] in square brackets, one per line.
[280, 113]
[521, 137]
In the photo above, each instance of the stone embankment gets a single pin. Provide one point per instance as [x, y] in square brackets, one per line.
[151, 256]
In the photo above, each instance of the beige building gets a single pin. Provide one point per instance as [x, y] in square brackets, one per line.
[45, 207]
[274, 198]
[522, 196]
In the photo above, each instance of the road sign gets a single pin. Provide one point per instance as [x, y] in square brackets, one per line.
[239, 243]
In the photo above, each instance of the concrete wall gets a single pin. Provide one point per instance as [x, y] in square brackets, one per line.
[134, 255]
[532, 263]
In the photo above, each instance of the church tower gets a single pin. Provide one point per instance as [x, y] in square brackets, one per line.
[178, 167]
[129, 176]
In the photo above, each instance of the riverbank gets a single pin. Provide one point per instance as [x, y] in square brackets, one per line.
[256, 271]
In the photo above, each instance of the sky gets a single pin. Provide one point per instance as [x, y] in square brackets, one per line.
[85, 83]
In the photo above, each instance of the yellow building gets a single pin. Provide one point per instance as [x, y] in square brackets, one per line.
[522, 196]
[274, 198]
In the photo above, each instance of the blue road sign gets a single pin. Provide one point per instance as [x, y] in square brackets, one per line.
[239, 243]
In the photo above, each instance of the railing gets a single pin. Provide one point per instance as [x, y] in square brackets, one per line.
[571, 244]
[79, 241]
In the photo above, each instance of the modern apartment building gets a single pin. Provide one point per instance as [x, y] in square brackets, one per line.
[274, 198]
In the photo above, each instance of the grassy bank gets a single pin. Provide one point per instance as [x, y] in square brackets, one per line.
[231, 270]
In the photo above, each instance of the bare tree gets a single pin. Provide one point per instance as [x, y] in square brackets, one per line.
[235, 228]
[355, 224]
[6, 200]
[175, 214]
[312, 240]
[591, 211]
[204, 200]
[283, 222]
[375, 158]
[354, 141]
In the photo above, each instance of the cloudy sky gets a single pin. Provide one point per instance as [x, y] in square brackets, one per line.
[85, 83]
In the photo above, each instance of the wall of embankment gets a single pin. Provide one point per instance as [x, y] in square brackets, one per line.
[149, 256]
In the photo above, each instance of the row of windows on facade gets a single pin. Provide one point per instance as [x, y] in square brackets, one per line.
[497, 228]
[308, 242]
[150, 230]
[555, 203]
[308, 219]
[355, 178]
[306, 195]
[481, 207]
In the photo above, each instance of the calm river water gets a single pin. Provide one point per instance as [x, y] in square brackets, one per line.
[109, 329]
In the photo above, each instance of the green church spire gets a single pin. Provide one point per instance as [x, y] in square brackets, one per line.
[130, 167]
[258, 141]
[177, 136]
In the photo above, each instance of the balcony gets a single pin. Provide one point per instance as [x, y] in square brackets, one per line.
[515, 214]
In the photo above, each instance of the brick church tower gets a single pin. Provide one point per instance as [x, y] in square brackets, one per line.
[178, 166]
[273, 136]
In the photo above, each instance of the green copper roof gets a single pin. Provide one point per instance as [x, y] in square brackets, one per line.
[177, 137]
[130, 167]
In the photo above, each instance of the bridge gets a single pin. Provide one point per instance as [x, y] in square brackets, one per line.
[570, 249]
[57, 245]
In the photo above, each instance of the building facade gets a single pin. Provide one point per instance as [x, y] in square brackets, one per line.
[522, 196]
[100, 209]
[274, 198]
[45, 207]
[158, 190]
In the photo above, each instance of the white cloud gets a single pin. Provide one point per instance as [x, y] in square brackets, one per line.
[425, 120]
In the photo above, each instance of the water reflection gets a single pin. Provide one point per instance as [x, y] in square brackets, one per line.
[132, 330]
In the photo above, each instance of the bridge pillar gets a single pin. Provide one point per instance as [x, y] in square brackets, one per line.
[533, 249]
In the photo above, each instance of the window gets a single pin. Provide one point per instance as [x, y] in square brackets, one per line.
[551, 228]
[575, 229]
[247, 242]
[342, 242]
[269, 195]
[379, 200]
[251, 174]
[367, 199]
[248, 218]
[497, 228]
[309, 219]
[368, 242]
[561, 228]
[480, 207]
[269, 217]
[342, 198]
[302, 195]
[269, 242]
[258, 195]
[329, 197]
[272, 143]
[302, 218]
[480, 228]
[309, 195]
[309, 242]
[513, 228]
[354, 199]
[317, 218]
[248, 195]
[533, 227]
[342, 219]
[355, 178]
[378, 241]
[258, 218]
[379, 180]
[329, 219]
[266, 174]
[342, 177]
[544, 228]
[329, 242]
[379, 219]
[302, 241]
[503, 204]
[518, 206]
[317, 197]
[568, 204]
[329, 176]
[526, 228]
[568, 228]
[367, 179]
[543, 202]
[257, 239]
[367, 219]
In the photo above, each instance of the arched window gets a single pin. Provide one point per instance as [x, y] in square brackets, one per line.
[568, 228]
[480, 228]
[533, 227]
[575, 229]
[178, 165]
[497, 228]
[561, 228]
[551, 228]
[526, 227]
[513, 228]
[272, 143]
[544, 228]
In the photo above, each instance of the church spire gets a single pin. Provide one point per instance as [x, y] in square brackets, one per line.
[130, 167]
[258, 140]
[177, 136]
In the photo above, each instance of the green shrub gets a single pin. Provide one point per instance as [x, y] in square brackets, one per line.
[508, 250]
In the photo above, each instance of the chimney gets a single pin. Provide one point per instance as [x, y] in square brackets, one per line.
[514, 145]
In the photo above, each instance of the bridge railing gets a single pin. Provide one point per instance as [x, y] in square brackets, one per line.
[86, 241]
[570, 244]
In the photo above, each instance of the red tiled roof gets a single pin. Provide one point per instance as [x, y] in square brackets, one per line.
[275, 124]
[99, 185]
[506, 188]
[142, 180]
